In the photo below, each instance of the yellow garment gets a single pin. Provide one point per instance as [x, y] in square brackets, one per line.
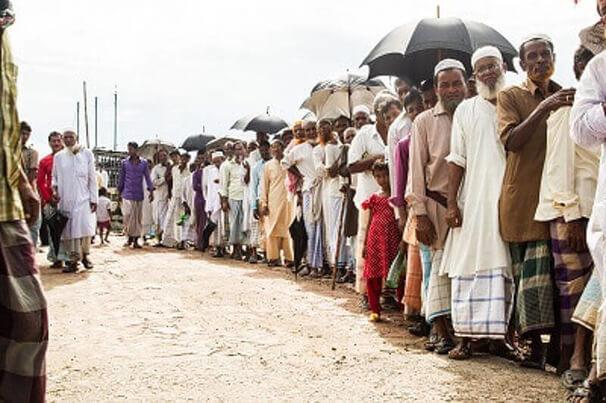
[274, 196]
[11, 208]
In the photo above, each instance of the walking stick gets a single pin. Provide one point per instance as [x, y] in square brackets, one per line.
[338, 248]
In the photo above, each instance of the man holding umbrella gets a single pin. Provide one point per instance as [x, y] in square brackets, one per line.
[130, 187]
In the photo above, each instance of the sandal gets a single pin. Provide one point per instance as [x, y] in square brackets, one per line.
[430, 345]
[573, 378]
[460, 352]
[444, 346]
[588, 391]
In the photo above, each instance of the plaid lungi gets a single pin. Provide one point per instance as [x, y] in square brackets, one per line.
[253, 231]
[571, 272]
[132, 212]
[315, 239]
[586, 312]
[482, 304]
[236, 222]
[414, 280]
[533, 304]
[23, 318]
[438, 298]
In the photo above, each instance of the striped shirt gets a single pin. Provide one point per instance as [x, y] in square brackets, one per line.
[11, 208]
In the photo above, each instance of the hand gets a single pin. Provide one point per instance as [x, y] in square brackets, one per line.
[564, 97]
[453, 216]
[224, 206]
[246, 166]
[575, 236]
[426, 233]
[187, 209]
[364, 253]
[30, 201]
[55, 198]
[93, 207]
[256, 214]
[265, 211]
[151, 197]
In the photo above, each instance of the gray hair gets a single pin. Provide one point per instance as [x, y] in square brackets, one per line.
[382, 98]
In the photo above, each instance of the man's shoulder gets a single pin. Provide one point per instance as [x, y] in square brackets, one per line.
[423, 118]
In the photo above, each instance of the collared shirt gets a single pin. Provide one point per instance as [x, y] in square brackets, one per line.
[520, 193]
[301, 156]
[368, 142]
[257, 175]
[232, 180]
[589, 129]
[158, 177]
[45, 178]
[30, 159]
[179, 178]
[11, 208]
[325, 157]
[399, 129]
[570, 173]
[131, 179]
[429, 146]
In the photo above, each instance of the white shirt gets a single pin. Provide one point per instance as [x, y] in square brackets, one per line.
[368, 142]
[211, 189]
[301, 156]
[570, 173]
[477, 245]
[102, 207]
[324, 157]
[104, 178]
[76, 182]
[158, 177]
[178, 180]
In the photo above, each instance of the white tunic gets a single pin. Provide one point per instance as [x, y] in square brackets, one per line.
[211, 191]
[76, 181]
[477, 245]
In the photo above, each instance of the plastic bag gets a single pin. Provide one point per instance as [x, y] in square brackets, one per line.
[395, 271]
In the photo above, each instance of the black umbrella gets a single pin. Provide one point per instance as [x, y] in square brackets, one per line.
[264, 123]
[197, 142]
[411, 51]
[56, 222]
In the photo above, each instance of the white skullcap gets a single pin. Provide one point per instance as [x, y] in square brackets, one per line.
[217, 154]
[361, 109]
[486, 51]
[536, 37]
[448, 64]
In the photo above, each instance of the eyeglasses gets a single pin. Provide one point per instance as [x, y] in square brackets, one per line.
[489, 68]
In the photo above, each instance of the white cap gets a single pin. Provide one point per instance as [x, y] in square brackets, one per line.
[217, 154]
[361, 109]
[448, 64]
[536, 37]
[485, 51]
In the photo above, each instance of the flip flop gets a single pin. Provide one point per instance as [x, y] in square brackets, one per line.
[460, 353]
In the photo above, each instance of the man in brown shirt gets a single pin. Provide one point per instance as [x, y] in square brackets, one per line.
[522, 112]
[426, 195]
[29, 162]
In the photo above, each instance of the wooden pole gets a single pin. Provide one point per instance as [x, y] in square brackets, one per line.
[96, 125]
[438, 10]
[78, 118]
[86, 115]
[335, 268]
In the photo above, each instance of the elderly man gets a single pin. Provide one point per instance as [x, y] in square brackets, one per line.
[211, 189]
[299, 162]
[361, 116]
[133, 172]
[426, 195]
[475, 256]
[275, 208]
[367, 147]
[24, 315]
[159, 176]
[232, 198]
[75, 190]
[522, 113]
[171, 237]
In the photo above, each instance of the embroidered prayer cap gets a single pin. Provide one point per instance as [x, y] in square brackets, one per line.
[448, 64]
[361, 109]
[485, 51]
[536, 37]
[217, 154]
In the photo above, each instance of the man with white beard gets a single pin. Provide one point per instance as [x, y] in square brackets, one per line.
[75, 189]
[475, 256]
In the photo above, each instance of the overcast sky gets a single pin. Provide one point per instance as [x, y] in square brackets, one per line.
[180, 65]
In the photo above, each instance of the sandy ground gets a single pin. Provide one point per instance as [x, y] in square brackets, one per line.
[161, 325]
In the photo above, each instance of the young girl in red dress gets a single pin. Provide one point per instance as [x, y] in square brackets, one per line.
[382, 239]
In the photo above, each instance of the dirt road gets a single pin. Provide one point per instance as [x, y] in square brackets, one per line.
[164, 325]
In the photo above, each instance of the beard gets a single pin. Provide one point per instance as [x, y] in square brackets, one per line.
[450, 106]
[490, 94]
[542, 77]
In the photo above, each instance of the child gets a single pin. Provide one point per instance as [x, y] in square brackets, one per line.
[104, 215]
[382, 239]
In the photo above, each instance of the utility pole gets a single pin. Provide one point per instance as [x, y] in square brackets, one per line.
[96, 126]
[86, 115]
[115, 118]
[438, 11]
